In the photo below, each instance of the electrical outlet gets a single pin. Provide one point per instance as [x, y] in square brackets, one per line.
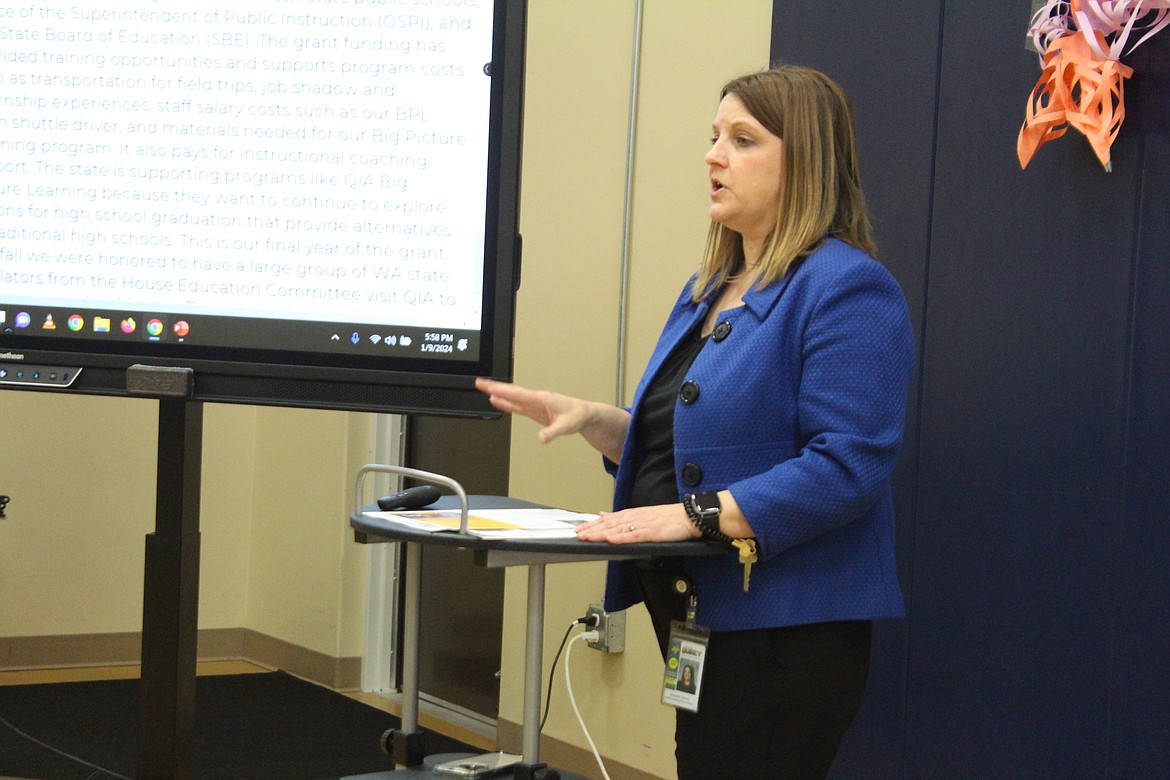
[610, 628]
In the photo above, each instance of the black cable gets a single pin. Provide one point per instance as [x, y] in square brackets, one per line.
[588, 620]
[98, 770]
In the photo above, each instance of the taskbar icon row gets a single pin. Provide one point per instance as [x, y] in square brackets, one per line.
[151, 327]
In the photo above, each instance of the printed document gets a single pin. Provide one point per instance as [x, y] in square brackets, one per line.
[527, 523]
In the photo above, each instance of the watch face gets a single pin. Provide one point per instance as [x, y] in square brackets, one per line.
[708, 504]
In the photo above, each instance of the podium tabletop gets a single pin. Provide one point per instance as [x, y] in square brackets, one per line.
[509, 552]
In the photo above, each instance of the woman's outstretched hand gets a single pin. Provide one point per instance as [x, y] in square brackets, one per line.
[602, 425]
[560, 415]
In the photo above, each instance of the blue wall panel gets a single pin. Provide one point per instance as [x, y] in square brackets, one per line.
[1034, 490]
[1139, 729]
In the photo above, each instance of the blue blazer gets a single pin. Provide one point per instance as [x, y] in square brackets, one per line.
[799, 413]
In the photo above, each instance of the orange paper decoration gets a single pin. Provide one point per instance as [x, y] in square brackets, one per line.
[1076, 89]
[1082, 83]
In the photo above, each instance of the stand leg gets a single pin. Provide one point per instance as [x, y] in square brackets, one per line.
[170, 607]
[533, 661]
[407, 742]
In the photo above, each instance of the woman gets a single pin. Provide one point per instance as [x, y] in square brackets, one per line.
[771, 409]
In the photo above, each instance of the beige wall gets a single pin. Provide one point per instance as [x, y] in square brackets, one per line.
[306, 577]
[276, 556]
[574, 172]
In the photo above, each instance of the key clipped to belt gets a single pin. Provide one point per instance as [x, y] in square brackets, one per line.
[747, 556]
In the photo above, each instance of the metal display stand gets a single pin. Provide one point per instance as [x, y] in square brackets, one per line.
[406, 744]
[170, 601]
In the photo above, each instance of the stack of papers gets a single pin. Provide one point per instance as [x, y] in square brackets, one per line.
[531, 523]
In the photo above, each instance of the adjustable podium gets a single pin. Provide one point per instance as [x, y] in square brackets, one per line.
[406, 743]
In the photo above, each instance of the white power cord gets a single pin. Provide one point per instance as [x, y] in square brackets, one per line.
[589, 636]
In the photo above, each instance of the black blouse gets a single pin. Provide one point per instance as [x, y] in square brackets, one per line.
[655, 481]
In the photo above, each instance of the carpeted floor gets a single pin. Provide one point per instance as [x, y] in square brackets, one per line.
[248, 727]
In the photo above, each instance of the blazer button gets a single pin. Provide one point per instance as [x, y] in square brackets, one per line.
[692, 475]
[722, 331]
[689, 392]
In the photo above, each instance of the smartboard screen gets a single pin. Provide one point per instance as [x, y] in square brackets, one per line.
[307, 202]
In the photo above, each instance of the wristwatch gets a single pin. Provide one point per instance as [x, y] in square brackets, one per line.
[704, 510]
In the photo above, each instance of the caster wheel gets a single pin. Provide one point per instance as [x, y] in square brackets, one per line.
[387, 742]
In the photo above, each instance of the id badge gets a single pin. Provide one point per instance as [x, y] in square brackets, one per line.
[684, 665]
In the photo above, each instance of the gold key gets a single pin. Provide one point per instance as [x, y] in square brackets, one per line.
[747, 556]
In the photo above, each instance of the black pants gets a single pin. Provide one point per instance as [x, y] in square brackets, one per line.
[774, 702]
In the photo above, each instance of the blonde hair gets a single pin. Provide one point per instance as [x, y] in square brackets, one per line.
[820, 193]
